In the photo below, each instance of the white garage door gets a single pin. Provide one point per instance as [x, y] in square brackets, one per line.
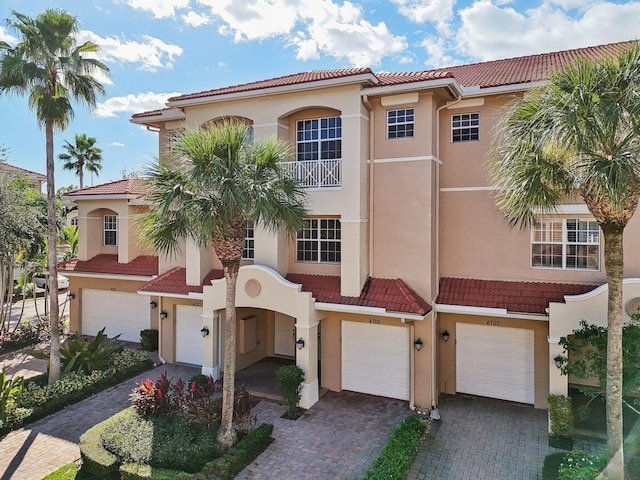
[121, 312]
[495, 362]
[188, 336]
[375, 359]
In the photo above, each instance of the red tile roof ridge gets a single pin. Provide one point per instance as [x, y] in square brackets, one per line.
[125, 186]
[285, 80]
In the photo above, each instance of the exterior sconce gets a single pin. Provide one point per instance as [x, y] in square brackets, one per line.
[204, 332]
[164, 314]
[446, 335]
[559, 361]
[418, 344]
[153, 304]
[71, 295]
[300, 343]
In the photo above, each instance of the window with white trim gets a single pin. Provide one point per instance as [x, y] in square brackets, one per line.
[111, 230]
[400, 123]
[319, 139]
[248, 252]
[465, 127]
[319, 241]
[74, 222]
[568, 243]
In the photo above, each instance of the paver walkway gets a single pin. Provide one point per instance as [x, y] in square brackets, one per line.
[481, 438]
[48, 444]
[338, 438]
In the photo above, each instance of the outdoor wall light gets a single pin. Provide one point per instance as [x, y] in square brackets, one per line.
[300, 343]
[446, 335]
[559, 361]
[418, 344]
[164, 314]
[71, 295]
[153, 304]
[204, 332]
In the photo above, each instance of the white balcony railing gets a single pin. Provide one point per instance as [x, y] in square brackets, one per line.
[317, 173]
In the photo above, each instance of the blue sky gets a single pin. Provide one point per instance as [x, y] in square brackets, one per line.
[158, 48]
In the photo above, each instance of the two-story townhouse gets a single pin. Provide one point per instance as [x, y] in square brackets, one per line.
[34, 179]
[405, 282]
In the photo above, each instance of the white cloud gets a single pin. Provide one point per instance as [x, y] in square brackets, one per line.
[221, 64]
[6, 37]
[152, 53]
[140, 102]
[159, 8]
[438, 12]
[115, 144]
[313, 27]
[437, 55]
[195, 19]
[489, 32]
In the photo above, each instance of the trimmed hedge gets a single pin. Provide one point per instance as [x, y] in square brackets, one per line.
[36, 401]
[103, 465]
[398, 453]
[149, 340]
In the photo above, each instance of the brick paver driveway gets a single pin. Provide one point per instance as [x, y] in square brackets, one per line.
[337, 438]
[482, 438]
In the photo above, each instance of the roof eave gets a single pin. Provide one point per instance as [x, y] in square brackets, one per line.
[470, 92]
[258, 92]
[487, 312]
[410, 86]
[107, 196]
[156, 120]
[380, 312]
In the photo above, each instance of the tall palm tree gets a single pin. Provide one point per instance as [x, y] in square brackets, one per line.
[51, 69]
[215, 182]
[580, 135]
[84, 155]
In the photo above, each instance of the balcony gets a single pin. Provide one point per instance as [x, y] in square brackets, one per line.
[317, 173]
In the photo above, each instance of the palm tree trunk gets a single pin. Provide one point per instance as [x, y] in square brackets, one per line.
[614, 265]
[227, 435]
[54, 354]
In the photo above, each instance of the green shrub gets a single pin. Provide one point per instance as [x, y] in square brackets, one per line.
[82, 354]
[577, 465]
[560, 415]
[290, 378]
[8, 388]
[199, 379]
[552, 465]
[26, 335]
[149, 340]
[398, 453]
[37, 399]
[96, 461]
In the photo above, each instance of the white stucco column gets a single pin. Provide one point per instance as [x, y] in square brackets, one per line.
[307, 360]
[210, 355]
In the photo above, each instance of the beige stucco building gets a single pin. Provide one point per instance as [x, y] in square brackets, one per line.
[405, 283]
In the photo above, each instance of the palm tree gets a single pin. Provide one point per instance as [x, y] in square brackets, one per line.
[215, 182]
[52, 70]
[580, 135]
[84, 155]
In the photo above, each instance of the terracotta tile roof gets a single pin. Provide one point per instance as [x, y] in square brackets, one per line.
[523, 297]
[527, 69]
[175, 282]
[12, 168]
[509, 71]
[127, 186]
[144, 265]
[391, 294]
[288, 80]
[156, 113]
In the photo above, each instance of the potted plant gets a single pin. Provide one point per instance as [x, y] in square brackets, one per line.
[561, 420]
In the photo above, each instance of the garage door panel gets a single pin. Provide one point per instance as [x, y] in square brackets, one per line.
[122, 313]
[188, 337]
[495, 362]
[375, 359]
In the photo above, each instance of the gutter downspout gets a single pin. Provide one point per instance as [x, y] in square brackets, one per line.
[435, 414]
[160, 320]
[369, 107]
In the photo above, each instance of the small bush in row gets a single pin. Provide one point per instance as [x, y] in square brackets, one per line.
[574, 465]
[26, 335]
[398, 453]
[149, 340]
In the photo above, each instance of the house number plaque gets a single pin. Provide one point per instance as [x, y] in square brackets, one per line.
[494, 323]
[374, 320]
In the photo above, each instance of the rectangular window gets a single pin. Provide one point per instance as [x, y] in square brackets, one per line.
[74, 222]
[319, 241]
[465, 127]
[248, 252]
[111, 230]
[319, 139]
[400, 123]
[566, 244]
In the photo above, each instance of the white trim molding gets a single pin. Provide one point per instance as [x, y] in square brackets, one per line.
[422, 158]
[376, 311]
[487, 312]
[355, 115]
[468, 189]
